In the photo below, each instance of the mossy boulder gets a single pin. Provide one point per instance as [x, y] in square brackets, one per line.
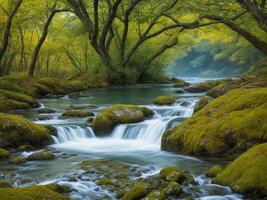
[167, 172]
[16, 130]
[214, 171]
[247, 174]
[14, 101]
[201, 87]
[224, 87]
[41, 155]
[77, 113]
[164, 100]
[4, 154]
[17, 160]
[138, 191]
[46, 110]
[105, 121]
[62, 189]
[180, 83]
[202, 103]
[229, 124]
[24, 147]
[32, 193]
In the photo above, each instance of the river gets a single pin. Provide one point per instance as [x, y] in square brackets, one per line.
[134, 144]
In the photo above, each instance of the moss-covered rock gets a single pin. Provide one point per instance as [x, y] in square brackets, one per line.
[62, 189]
[5, 184]
[32, 193]
[202, 103]
[229, 124]
[173, 189]
[17, 160]
[46, 110]
[77, 113]
[214, 171]
[247, 174]
[179, 83]
[105, 121]
[16, 130]
[4, 154]
[41, 155]
[14, 101]
[24, 147]
[167, 172]
[224, 87]
[164, 100]
[201, 87]
[138, 191]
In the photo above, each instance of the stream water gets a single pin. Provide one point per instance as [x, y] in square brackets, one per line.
[134, 144]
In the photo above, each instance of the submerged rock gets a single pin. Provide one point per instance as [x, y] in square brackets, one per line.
[247, 174]
[46, 110]
[105, 121]
[164, 100]
[16, 130]
[77, 113]
[41, 155]
[229, 124]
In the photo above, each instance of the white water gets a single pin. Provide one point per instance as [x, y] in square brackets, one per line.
[72, 133]
[139, 136]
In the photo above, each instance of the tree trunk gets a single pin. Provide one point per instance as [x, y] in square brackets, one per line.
[7, 29]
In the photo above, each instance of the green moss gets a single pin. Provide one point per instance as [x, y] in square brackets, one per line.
[138, 191]
[179, 82]
[214, 171]
[14, 101]
[17, 160]
[16, 130]
[156, 194]
[173, 188]
[62, 189]
[77, 113]
[202, 87]
[247, 174]
[202, 103]
[104, 181]
[4, 154]
[24, 147]
[41, 155]
[30, 192]
[229, 124]
[105, 121]
[46, 110]
[224, 87]
[164, 100]
[171, 170]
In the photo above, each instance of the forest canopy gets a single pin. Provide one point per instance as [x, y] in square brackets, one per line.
[127, 41]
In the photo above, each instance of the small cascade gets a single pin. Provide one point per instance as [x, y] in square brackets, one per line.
[72, 133]
[149, 131]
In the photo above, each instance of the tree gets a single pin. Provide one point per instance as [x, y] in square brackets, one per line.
[42, 39]
[7, 29]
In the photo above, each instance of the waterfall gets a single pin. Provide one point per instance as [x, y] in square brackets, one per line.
[72, 133]
[149, 131]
